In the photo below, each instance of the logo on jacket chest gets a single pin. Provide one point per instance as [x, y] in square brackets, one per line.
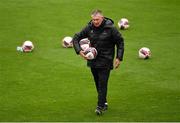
[98, 32]
[104, 33]
[99, 35]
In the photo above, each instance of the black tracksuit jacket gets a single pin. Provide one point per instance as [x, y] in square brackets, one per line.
[104, 38]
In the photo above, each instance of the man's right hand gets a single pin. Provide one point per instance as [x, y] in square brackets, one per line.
[81, 53]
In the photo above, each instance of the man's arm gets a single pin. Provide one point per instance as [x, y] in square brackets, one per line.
[77, 37]
[119, 41]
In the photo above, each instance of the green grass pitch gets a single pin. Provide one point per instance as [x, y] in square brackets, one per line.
[54, 84]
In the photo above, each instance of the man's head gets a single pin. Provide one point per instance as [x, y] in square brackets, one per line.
[97, 17]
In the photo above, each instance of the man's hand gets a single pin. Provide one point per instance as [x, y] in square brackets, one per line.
[116, 63]
[81, 53]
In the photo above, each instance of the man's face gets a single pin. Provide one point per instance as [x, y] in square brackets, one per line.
[97, 20]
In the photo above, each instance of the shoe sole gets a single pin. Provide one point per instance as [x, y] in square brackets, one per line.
[98, 112]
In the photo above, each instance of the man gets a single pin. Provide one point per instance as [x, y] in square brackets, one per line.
[104, 37]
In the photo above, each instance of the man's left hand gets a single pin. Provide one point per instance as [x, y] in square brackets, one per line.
[116, 63]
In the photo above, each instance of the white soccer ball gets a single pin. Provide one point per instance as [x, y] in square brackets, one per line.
[27, 46]
[123, 23]
[84, 43]
[90, 53]
[67, 42]
[144, 53]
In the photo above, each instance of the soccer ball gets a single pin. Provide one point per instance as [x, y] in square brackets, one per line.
[90, 53]
[84, 43]
[123, 23]
[27, 46]
[67, 42]
[144, 53]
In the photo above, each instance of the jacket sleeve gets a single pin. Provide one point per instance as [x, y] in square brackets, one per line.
[77, 37]
[119, 41]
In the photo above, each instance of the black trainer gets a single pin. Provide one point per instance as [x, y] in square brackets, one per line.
[98, 110]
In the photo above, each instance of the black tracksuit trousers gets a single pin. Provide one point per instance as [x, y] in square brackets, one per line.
[101, 76]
